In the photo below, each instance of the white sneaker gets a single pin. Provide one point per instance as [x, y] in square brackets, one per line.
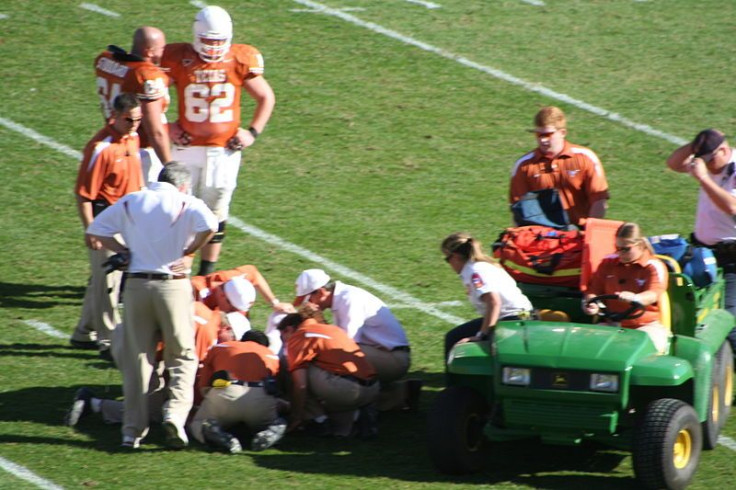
[176, 437]
[131, 442]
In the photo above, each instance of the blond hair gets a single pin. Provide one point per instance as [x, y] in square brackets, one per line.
[550, 116]
[465, 246]
[630, 233]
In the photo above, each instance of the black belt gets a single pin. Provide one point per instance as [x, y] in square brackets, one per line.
[249, 384]
[404, 348]
[155, 277]
[361, 382]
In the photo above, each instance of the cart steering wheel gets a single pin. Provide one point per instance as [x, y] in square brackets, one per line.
[634, 311]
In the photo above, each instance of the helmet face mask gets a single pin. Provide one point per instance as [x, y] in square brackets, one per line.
[213, 33]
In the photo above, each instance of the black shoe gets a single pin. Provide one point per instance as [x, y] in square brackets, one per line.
[218, 439]
[84, 344]
[413, 392]
[366, 426]
[318, 429]
[80, 407]
[105, 355]
[269, 436]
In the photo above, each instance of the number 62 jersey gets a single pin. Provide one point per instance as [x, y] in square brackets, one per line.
[209, 93]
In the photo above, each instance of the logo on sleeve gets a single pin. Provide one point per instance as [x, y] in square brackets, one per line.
[477, 281]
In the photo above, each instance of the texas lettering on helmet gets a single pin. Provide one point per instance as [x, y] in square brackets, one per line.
[213, 32]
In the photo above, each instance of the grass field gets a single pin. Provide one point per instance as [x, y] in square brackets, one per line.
[395, 125]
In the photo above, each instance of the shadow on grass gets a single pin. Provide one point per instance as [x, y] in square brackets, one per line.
[399, 452]
[54, 350]
[39, 296]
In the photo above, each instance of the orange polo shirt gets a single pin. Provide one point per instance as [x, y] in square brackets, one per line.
[330, 348]
[576, 173]
[245, 361]
[646, 274]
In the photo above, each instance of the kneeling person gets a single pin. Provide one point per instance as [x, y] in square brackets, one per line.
[242, 397]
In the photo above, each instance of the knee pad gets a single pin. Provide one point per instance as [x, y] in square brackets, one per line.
[220, 233]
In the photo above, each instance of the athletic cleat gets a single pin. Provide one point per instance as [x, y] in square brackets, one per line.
[84, 344]
[131, 442]
[269, 436]
[176, 437]
[80, 407]
[218, 439]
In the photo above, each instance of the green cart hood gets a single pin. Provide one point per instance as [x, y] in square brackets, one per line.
[571, 346]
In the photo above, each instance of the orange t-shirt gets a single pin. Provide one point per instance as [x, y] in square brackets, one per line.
[576, 173]
[209, 93]
[110, 167]
[119, 72]
[207, 325]
[646, 274]
[245, 361]
[330, 348]
[203, 286]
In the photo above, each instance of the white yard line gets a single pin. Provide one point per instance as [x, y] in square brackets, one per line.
[96, 8]
[3, 16]
[501, 75]
[536, 3]
[428, 5]
[198, 4]
[46, 328]
[726, 441]
[25, 474]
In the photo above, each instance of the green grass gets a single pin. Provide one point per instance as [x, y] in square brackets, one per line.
[376, 151]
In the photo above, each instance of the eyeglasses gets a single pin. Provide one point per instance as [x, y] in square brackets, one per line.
[711, 155]
[624, 249]
[131, 120]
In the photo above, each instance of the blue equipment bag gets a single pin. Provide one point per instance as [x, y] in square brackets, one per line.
[697, 262]
[541, 208]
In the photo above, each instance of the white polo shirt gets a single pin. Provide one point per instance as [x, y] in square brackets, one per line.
[157, 225]
[712, 224]
[365, 318]
[480, 278]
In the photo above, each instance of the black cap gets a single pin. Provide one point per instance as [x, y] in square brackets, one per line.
[707, 141]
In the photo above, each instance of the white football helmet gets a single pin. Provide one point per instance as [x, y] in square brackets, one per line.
[212, 24]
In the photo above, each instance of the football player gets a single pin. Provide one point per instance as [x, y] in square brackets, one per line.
[209, 75]
[138, 72]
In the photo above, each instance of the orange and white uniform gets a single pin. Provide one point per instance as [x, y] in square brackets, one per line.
[119, 72]
[203, 286]
[209, 101]
[576, 173]
[249, 363]
[646, 274]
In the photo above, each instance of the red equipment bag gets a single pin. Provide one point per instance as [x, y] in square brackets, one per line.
[541, 255]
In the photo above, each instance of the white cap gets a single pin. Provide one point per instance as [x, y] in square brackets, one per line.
[273, 321]
[240, 293]
[309, 281]
[238, 323]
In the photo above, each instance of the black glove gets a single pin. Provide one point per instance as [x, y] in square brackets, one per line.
[117, 262]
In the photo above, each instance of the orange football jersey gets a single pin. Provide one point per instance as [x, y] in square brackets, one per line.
[119, 72]
[209, 93]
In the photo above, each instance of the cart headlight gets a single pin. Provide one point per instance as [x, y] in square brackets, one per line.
[604, 382]
[516, 376]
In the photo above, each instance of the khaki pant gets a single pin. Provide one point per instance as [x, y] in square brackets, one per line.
[338, 397]
[233, 404]
[390, 367]
[100, 307]
[157, 310]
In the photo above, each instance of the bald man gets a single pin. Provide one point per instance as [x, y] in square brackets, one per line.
[138, 72]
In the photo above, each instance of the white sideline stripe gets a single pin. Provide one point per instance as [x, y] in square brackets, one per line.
[343, 271]
[3, 16]
[272, 239]
[198, 4]
[501, 75]
[399, 306]
[29, 133]
[536, 3]
[727, 442]
[45, 328]
[316, 11]
[428, 5]
[25, 474]
[96, 8]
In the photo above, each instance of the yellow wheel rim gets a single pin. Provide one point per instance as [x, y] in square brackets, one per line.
[682, 449]
[715, 405]
[728, 388]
